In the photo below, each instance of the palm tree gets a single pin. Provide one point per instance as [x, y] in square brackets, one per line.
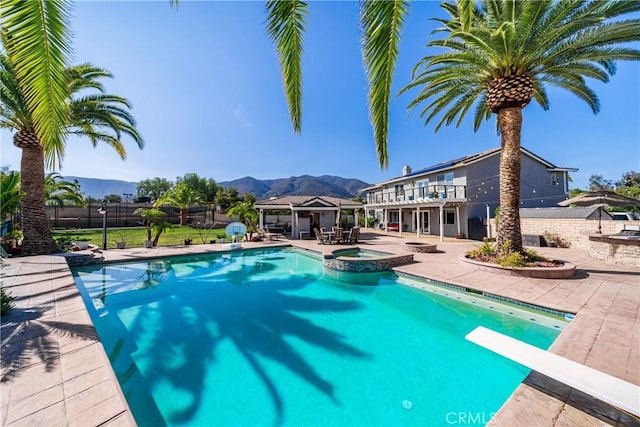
[153, 219]
[182, 196]
[57, 191]
[247, 214]
[98, 116]
[503, 55]
[9, 194]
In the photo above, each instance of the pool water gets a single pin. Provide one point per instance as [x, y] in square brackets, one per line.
[360, 253]
[269, 338]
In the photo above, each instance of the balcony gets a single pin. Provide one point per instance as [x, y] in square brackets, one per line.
[417, 195]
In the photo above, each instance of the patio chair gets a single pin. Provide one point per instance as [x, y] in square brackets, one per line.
[339, 234]
[321, 238]
[353, 235]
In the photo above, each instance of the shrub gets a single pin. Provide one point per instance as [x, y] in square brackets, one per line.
[6, 302]
[486, 249]
[513, 259]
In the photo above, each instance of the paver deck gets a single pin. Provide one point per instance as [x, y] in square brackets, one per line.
[55, 371]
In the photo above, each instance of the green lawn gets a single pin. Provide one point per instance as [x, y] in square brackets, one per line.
[134, 236]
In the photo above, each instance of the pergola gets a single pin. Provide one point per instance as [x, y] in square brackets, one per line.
[309, 204]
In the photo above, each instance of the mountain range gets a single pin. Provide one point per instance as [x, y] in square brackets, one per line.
[305, 185]
[325, 185]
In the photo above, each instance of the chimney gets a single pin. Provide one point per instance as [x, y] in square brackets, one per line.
[406, 170]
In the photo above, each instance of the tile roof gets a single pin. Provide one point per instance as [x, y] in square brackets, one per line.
[303, 200]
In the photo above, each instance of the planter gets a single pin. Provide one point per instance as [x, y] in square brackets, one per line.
[459, 236]
[81, 245]
[120, 245]
[565, 271]
[148, 244]
[420, 247]
[187, 242]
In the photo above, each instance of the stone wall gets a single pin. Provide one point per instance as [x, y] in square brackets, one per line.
[615, 250]
[573, 231]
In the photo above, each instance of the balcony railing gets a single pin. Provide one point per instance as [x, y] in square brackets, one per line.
[430, 192]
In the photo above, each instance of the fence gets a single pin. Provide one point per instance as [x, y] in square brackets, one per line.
[120, 214]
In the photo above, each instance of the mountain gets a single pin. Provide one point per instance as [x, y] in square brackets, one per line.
[306, 185]
[98, 188]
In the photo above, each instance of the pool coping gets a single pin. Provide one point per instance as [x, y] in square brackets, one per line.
[604, 334]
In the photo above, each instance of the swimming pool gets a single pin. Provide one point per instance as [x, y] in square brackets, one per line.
[271, 338]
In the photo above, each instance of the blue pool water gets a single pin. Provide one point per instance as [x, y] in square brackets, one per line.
[270, 338]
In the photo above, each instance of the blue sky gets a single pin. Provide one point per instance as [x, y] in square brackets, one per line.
[207, 94]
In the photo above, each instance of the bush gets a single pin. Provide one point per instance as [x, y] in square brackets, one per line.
[513, 259]
[484, 250]
[6, 302]
[487, 252]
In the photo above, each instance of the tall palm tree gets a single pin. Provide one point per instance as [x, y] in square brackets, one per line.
[507, 53]
[182, 196]
[89, 112]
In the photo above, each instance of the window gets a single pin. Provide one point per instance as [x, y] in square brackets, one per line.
[554, 180]
[449, 217]
[423, 188]
[445, 178]
[399, 189]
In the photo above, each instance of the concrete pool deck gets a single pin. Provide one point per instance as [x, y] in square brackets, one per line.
[55, 371]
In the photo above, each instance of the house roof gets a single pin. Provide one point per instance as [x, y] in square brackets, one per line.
[285, 202]
[464, 161]
[589, 212]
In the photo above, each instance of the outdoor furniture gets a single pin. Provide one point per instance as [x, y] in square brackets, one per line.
[353, 235]
[339, 234]
[320, 236]
[329, 236]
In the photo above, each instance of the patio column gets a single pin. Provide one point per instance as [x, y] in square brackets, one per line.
[294, 224]
[442, 222]
[355, 218]
[458, 217]
[418, 221]
[261, 218]
[399, 221]
[488, 222]
[386, 219]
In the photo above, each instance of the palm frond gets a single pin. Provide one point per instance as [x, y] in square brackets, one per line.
[381, 23]
[285, 26]
[37, 41]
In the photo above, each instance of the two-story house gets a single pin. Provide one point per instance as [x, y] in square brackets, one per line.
[457, 197]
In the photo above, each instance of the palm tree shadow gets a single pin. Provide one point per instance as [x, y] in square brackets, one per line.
[257, 319]
[25, 334]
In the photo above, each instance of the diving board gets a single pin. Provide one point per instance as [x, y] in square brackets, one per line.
[614, 391]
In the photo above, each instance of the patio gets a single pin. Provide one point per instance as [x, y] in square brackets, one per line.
[63, 376]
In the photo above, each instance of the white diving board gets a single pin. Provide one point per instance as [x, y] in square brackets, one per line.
[614, 391]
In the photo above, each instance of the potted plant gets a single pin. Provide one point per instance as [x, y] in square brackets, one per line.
[188, 241]
[120, 244]
[82, 244]
[459, 235]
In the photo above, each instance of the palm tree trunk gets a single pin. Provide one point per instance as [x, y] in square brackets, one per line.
[183, 217]
[35, 225]
[510, 120]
